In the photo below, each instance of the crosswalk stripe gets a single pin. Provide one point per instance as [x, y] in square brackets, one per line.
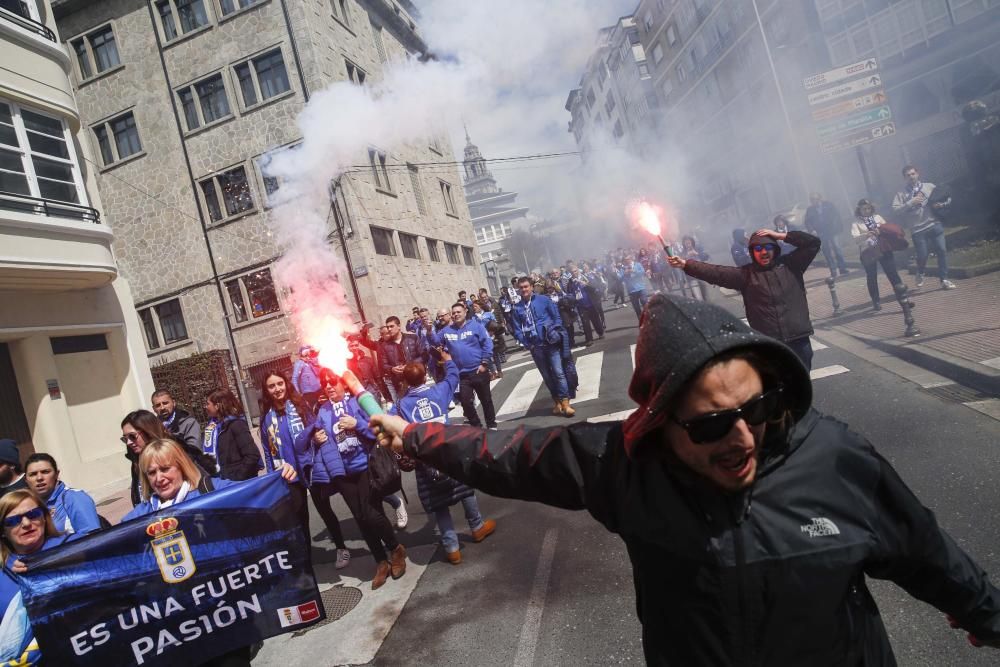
[457, 410]
[827, 371]
[611, 416]
[588, 369]
[520, 400]
[632, 351]
[818, 344]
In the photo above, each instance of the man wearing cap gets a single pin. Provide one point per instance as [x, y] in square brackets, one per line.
[11, 476]
[751, 520]
[305, 375]
[774, 294]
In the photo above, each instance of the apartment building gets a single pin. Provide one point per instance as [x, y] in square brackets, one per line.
[71, 350]
[186, 101]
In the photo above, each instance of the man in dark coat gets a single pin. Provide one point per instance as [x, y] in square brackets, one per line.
[774, 294]
[179, 423]
[724, 418]
[823, 220]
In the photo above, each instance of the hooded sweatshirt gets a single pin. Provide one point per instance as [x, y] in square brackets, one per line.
[721, 580]
[469, 345]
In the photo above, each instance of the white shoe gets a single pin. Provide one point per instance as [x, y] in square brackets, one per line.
[920, 280]
[343, 559]
[402, 518]
[947, 284]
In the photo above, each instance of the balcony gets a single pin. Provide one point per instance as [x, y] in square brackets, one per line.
[16, 12]
[52, 245]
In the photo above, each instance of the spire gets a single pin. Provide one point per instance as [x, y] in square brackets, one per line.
[467, 139]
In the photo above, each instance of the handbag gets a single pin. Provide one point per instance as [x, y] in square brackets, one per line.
[891, 238]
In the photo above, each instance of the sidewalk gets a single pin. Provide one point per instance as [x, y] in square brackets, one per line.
[960, 329]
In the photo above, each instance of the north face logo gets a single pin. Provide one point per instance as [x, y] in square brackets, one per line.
[820, 527]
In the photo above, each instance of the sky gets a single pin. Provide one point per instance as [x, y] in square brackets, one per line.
[534, 53]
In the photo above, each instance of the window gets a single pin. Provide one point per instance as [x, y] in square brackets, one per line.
[164, 321]
[379, 43]
[409, 245]
[449, 200]
[671, 35]
[204, 102]
[37, 156]
[609, 103]
[96, 52]
[657, 54]
[418, 192]
[591, 100]
[618, 131]
[341, 11]
[470, 259]
[262, 78]
[643, 71]
[118, 138]
[667, 86]
[252, 296]
[341, 215]
[381, 175]
[451, 250]
[382, 240]
[681, 74]
[354, 73]
[230, 6]
[75, 344]
[481, 236]
[648, 21]
[190, 14]
[227, 194]
[432, 250]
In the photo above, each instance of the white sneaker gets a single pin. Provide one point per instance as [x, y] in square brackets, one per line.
[920, 280]
[947, 284]
[343, 559]
[402, 518]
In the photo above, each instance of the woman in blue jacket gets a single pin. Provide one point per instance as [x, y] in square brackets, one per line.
[27, 528]
[342, 440]
[73, 511]
[423, 402]
[286, 416]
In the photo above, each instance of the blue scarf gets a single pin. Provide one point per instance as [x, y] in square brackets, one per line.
[277, 440]
[211, 438]
[870, 222]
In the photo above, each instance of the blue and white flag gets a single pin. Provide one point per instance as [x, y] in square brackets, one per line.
[180, 586]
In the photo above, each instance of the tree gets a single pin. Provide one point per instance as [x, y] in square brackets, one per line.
[526, 250]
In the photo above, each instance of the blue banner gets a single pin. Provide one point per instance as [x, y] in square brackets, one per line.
[178, 587]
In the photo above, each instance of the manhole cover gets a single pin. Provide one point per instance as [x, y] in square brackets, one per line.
[337, 601]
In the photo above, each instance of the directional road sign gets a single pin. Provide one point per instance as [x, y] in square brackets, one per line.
[840, 73]
[865, 118]
[849, 106]
[864, 136]
[866, 82]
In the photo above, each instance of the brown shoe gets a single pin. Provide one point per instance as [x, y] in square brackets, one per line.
[558, 410]
[566, 409]
[485, 530]
[398, 561]
[454, 557]
[382, 572]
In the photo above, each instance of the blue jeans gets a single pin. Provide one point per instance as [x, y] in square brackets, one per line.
[638, 301]
[393, 501]
[548, 358]
[934, 236]
[449, 538]
[831, 252]
[802, 347]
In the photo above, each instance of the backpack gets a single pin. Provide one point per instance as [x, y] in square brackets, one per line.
[383, 472]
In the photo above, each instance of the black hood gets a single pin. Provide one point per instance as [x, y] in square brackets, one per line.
[677, 337]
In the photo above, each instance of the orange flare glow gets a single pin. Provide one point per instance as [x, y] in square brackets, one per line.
[323, 332]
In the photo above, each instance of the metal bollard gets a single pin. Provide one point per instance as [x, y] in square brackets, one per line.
[907, 306]
[831, 283]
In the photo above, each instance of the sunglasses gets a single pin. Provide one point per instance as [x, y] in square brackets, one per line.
[764, 246]
[715, 425]
[129, 439]
[14, 520]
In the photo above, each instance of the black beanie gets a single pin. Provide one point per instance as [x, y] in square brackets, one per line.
[677, 337]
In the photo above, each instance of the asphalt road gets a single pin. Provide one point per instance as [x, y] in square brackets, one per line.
[554, 587]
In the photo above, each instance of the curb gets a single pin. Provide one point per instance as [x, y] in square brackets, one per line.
[972, 375]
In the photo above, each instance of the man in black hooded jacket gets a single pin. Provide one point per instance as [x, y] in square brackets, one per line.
[774, 293]
[751, 520]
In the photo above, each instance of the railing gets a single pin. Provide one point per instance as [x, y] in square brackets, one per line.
[16, 12]
[11, 201]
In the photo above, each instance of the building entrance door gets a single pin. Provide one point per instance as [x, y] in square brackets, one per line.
[13, 423]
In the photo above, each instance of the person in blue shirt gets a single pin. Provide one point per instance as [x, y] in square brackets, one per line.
[341, 439]
[537, 326]
[471, 348]
[305, 375]
[633, 276]
[73, 511]
[425, 402]
[587, 305]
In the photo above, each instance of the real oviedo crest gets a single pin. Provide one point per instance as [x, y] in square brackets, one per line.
[173, 554]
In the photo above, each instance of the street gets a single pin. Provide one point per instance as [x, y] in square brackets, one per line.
[554, 587]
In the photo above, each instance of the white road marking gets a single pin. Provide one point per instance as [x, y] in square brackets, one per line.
[588, 369]
[525, 656]
[632, 351]
[827, 371]
[457, 410]
[817, 344]
[520, 400]
[611, 417]
[990, 407]
[992, 363]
